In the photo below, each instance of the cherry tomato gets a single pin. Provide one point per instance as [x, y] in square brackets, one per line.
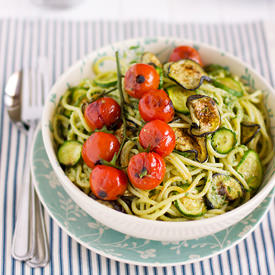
[139, 79]
[156, 104]
[183, 52]
[99, 146]
[108, 183]
[146, 170]
[103, 111]
[158, 137]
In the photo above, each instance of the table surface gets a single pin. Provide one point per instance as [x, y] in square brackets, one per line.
[167, 10]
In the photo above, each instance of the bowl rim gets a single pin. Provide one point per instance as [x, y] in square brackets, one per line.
[132, 218]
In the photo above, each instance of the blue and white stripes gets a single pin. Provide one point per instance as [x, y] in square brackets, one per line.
[64, 42]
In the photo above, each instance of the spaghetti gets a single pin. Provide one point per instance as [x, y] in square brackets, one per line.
[185, 176]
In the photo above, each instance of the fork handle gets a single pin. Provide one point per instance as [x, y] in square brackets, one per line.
[24, 232]
[41, 247]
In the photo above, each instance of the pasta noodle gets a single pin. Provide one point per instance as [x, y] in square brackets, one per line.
[185, 177]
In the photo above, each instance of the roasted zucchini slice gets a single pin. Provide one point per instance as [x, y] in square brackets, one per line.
[248, 131]
[179, 97]
[151, 59]
[191, 144]
[69, 153]
[232, 188]
[204, 114]
[223, 140]
[187, 73]
[230, 85]
[250, 167]
[191, 207]
[222, 190]
[215, 198]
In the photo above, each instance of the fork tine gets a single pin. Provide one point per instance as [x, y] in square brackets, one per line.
[29, 107]
[35, 88]
[39, 88]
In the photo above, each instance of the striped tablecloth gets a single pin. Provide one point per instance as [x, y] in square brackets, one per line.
[64, 42]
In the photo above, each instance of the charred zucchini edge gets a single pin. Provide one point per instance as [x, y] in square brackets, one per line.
[176, 74]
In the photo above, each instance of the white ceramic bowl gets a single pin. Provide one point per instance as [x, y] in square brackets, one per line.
[131, 225]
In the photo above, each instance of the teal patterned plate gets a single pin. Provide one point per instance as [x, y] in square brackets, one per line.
[107, 242]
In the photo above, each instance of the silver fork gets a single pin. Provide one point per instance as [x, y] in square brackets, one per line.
[30, 240]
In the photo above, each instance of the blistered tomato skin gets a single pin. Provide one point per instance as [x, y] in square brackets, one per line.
[99, 146]
[103, 111]
[146, 170]
[156, 104]
[108, 183]
[158, 136]
[139, 79]
[183, 52]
